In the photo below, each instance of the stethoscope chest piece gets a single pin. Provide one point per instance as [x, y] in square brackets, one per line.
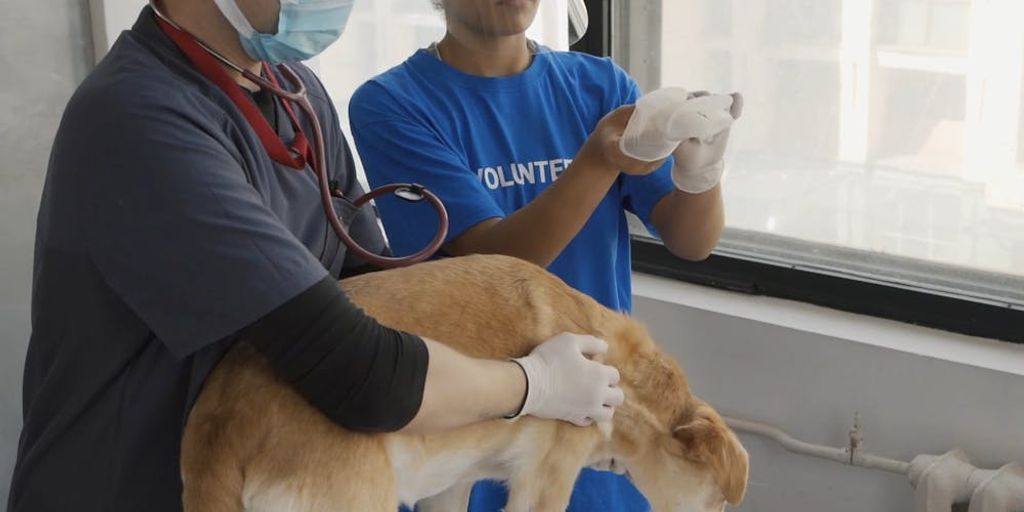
[412, 193]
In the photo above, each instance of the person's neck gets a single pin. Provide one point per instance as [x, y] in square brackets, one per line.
[483, 55]
[203, 20]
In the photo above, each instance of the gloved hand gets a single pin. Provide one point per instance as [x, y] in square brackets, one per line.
[693, 128]
[563, 384]
[604, 145]
[698, 162]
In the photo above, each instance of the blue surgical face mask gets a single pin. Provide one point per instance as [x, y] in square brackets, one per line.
[305, 28]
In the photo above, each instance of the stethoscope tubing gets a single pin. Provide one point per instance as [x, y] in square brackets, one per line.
[405, 191]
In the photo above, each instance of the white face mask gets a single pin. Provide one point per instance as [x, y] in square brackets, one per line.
[305, 28]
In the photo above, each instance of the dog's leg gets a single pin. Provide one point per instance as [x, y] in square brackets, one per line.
[548, 490]
[556, 494]
[454, 499]
[521, 495]
[547, 487]
[556, 485]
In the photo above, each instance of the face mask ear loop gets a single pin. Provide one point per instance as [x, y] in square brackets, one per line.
[235, 16]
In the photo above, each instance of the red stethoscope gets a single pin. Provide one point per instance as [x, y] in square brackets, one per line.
[301, 151]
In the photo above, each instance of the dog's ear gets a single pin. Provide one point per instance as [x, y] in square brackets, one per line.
[706, 439]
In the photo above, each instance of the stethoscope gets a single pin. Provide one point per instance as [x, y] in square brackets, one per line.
[406, 191]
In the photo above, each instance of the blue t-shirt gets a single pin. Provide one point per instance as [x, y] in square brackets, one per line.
[489, 146]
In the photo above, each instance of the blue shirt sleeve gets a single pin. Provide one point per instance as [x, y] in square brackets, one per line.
[640, 194]
[173, 226]
[396, 148]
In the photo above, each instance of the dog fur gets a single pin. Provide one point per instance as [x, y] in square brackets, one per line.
[253, 444]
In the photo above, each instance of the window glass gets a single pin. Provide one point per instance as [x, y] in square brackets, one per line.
[875, 128]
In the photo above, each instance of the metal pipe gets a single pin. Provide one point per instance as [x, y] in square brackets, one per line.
[939, 481]
[850, 456]
[1001, 490]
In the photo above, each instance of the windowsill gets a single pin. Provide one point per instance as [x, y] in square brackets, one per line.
[933, 343]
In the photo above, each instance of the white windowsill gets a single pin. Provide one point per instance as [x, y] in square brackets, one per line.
[979, 352]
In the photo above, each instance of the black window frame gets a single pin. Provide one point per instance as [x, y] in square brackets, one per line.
[856, 295]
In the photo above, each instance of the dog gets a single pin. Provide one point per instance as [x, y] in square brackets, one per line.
[253, 444]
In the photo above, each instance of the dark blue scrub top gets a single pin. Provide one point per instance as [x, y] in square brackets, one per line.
[164, 229]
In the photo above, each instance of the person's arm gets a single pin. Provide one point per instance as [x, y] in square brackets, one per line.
[367, 377]
[539, 231]
[690, 224]
[561, 380]
[690, 218]
[397, 146]
[460, 390]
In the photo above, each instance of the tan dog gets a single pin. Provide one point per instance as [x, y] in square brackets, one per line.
[253, 444]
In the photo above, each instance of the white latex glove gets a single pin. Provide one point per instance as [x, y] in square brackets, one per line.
[563, 384]
[698, 162]
[693, 128]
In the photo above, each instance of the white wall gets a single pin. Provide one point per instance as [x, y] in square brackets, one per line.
[45, 50]
[108, 19]
[810, 384]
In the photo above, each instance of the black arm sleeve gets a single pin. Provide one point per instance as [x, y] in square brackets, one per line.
[360, 374]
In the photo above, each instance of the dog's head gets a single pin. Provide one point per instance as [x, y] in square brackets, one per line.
[676, 448]
[697, 465]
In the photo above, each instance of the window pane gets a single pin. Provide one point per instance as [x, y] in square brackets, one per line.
[889, 127]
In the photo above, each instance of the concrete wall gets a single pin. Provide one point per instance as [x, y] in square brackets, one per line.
[45, 51]
[811, 384]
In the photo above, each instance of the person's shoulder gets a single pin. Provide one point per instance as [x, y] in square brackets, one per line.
[588, 66]
[136, 88]
[599, 76]
[387, 94]
[403, 76]
[126, 112]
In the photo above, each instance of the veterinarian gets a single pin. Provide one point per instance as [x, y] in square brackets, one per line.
[522, 144]
[172, 224]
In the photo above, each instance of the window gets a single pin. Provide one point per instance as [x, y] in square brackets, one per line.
[881, 141]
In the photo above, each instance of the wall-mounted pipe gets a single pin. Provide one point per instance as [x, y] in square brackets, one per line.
[852, 455]
[1002, 491]
[939, 481]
